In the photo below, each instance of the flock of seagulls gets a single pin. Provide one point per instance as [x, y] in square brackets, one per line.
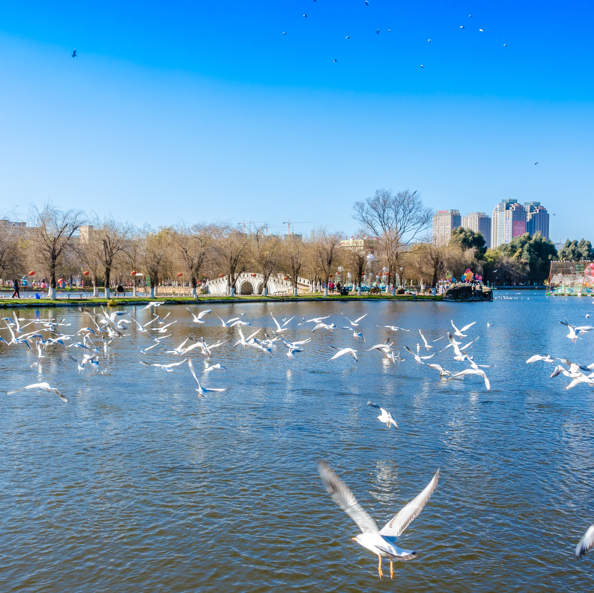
[104, 328]
[461, 27]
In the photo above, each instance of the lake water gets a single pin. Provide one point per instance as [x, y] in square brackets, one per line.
[138, 485]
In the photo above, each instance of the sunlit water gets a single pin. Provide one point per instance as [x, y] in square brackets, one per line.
[138, 485]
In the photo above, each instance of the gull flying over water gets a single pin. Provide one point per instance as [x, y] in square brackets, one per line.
[202, 390]
[380, 542]
[418, 358]
[385, 416]
[45, 386]
[198, 318]
[168, 368]
[356, 322]
[342, 352]
[586, 543]
[460, 332]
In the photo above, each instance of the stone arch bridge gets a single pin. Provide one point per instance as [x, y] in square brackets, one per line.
[251, 283]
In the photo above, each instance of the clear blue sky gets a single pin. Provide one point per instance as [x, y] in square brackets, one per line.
[205, 110]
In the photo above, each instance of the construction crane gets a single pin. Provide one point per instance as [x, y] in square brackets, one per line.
[289, 223]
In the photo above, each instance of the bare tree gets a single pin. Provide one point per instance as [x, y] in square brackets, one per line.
[355, 258]
[293, 258]
[266, 255]
[11, 250]
[155, 249]
[396, 220]
[324, 250]
[192, 245]
[231, 254]
[51, 234]
[88, 251]
[133, 256]
[112, 237]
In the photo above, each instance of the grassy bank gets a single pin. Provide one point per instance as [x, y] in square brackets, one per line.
[7, 303]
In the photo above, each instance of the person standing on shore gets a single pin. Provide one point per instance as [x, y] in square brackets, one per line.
[16, 290]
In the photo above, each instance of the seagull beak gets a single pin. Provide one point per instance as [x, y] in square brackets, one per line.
[354, 539]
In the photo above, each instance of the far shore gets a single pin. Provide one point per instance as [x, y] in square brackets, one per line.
[8, 303]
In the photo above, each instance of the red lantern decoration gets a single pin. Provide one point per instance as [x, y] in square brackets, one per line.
[31, 273]
[179, 274]
[133, 273]
[221, 275]
[254, 275]
[330, 276]
[286, 278]
[86, 273]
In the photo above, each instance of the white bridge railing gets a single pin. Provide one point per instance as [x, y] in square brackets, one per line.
[252, 283]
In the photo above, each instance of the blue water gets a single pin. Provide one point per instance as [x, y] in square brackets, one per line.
[136, 484]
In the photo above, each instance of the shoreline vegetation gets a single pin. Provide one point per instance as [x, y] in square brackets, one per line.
[9, 303]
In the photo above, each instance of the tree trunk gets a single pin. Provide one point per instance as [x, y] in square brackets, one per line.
[134, 288]
[265, 290]
[95, 289]
[51, 293]
[106, 290]
[326, 288]
[152, 292]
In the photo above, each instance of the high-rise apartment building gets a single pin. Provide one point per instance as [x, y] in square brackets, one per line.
[508, 221]
[444, 222]
[537, 219]
[479, 222]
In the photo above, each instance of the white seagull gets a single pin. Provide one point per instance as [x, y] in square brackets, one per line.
[168, 368]
[45, 386]
[460, 332]
[427, 347]
[382, 543]
[356, 322]
[280, 328]
[343, 351]
[387, 418]
[586, 543]
[198, 318]
[202, 390]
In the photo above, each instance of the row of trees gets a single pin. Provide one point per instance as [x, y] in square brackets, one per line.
[59, 243]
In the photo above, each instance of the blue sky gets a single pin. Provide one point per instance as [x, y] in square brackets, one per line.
[204, 111]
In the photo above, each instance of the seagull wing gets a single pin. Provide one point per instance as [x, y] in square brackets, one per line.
[278, 325]
[467, 327]
[345, 499]
[406, 516]
[203, 313]
[192, 369]
[360, 318]
[586, 543]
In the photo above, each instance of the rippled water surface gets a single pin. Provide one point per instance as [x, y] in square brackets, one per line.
[136, 484]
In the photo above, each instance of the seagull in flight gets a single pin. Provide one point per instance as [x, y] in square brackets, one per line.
[380, 542]
[202, 390]
[418, 358]
[168, 368]
[342, 352]
[280, 328]
[427, 347]
[460, 332]
[387, 418]
[45, 386]
[153, 304]
[586, 543]
[356, 322]
[74, 55]
[394, 328]
[198, 318]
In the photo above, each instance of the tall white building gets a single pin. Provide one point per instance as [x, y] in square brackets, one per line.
[444, 222]
[508, 221]
[479, 222]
